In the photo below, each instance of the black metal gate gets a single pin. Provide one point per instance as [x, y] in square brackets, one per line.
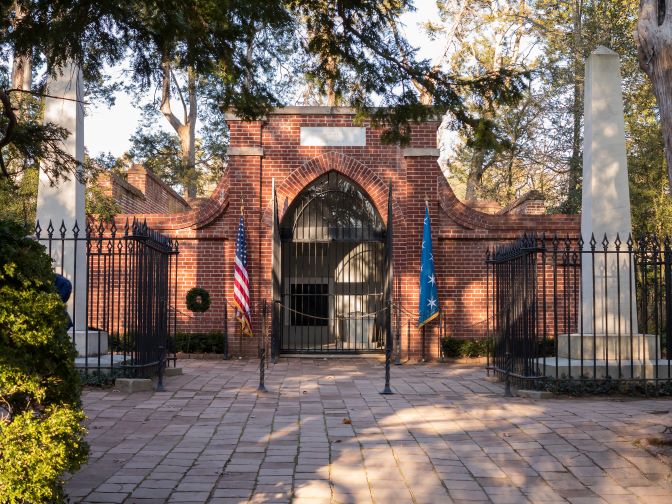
[128, 284]
[331, 292]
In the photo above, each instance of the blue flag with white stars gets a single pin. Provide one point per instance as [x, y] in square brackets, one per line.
[429, 295]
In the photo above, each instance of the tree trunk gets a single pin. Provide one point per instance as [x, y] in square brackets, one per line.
[332, 98]
[575, 168]
[331, 94]
[189, 150]
[22, 72]
[186, 130]
[22, 69]
[475, 178]
[654, 48]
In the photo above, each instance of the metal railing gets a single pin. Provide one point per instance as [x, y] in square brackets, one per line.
[123, 282]
[571, 315]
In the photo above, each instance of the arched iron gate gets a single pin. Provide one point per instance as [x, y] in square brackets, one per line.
[330, 271]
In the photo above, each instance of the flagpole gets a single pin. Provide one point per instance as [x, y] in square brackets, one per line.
[429, 307]
[388, 292]
[423, 343]
[242, 214]
[424, 336]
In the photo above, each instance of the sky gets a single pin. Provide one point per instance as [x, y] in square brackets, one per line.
[108, 129]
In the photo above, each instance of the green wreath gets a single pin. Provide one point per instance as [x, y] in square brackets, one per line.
[198, 300]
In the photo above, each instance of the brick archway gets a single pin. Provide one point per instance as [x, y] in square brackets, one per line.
[357, 171]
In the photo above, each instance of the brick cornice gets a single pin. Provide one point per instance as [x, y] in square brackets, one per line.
[197, 218]
[369, 181]
[474, 220]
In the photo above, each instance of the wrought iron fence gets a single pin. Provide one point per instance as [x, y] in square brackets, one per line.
[123, 283]
[576, 316]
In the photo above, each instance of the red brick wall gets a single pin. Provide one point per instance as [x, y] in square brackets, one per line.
[461, 235]
[142, 192]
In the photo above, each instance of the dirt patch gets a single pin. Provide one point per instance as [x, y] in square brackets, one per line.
[660, 446]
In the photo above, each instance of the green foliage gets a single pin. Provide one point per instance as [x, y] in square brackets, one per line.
[161, 153]
[210, 342]
[18, 199]
[605, 386]
[647, 170]
[101, 205]
[95, 378]
[459, 348]
[543, 131]
[250, 51]
[41, 435]
[121, 342]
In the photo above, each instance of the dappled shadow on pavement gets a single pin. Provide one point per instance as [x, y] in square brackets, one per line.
[323, 433]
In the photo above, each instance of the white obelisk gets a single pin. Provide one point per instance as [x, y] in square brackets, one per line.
[605, 203]
[63, 204]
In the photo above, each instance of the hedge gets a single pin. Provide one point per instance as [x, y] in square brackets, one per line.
[455, 348]
[478, 347]
[41, 432]
[209, 342]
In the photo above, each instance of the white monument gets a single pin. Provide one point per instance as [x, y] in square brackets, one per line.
[609, 319]
[605, 202]
[64, 203]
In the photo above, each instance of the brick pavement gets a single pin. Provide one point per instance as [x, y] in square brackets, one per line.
[447, 435]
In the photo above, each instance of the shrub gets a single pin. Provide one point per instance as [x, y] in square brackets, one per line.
[210, 342]
[121, 342]
[457, 348]
[451, 347]
[41, 435]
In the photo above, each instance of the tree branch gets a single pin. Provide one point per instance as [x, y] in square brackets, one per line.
[425, 95]
[179, 92]
[646, 24]
[45, 95]
[165, 108]
[191, 88]
[8, 112]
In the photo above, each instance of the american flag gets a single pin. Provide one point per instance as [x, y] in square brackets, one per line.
[241, 283]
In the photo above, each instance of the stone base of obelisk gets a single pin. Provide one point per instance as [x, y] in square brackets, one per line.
[625, 357]
[609, 347]
[564, 368]
[91, 343]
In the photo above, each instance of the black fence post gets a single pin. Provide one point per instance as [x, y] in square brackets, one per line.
[668, 300]
[388, 353]
[262, 351]
[275, 331]
[441, 335]
[423, 343]
[397, 353]
[507, 376]
[226, 330]
[162, 359]
[408, 340]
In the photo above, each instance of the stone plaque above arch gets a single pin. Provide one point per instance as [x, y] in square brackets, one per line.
[332, 136]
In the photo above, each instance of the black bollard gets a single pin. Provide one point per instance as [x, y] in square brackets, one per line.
[388, 353]
[262, 358]
[388, 358]
[159, 383]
